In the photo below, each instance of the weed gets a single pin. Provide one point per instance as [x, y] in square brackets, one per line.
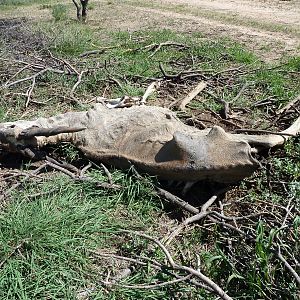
[23, 2]
[59, 12]
[45, 239]
[56, 230]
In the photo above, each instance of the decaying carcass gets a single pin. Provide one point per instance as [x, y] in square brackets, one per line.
[151, 138]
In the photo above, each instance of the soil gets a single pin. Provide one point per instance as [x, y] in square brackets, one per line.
[280, 12]
[269, 28]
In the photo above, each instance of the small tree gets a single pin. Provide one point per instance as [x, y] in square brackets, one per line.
[81, 9]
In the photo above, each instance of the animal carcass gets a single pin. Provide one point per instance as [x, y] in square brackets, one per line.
[151, 138]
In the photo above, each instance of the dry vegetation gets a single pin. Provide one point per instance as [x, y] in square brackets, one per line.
[65, 238]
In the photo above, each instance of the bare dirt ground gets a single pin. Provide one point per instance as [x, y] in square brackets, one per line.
[270, 28]
[282, 12]
[260, 25]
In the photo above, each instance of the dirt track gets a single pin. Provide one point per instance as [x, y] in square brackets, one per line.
[270, 28]
[261, 25]
[282, 12]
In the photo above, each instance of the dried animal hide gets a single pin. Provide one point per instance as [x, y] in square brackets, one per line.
[151, 138]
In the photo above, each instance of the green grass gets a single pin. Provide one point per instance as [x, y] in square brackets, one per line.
[59, 12]
[24, 2]
[56, 230]
[227, 17]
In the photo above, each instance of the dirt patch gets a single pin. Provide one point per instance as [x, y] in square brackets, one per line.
[19, 37]
[279, 12]
[270, 29]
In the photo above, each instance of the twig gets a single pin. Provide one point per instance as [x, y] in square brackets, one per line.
[157, 47]
[150, 286]
[202, 213]
[33, 76]
[216, 288]
[79, 78]
[29, 92]
[61, 169]
[288, 266]
[63, 164]
[85, 178]
[17, 73]
[240, 93]
[97, 51]
[226, 106]
[288, 106]
[198, 216]
[107, 173]
[84, 169]
[168, 76]
[64, 62]
[117, 82]
[133, 260]
[192, 94]
[35, 172]
[176, 200]
[288, 210]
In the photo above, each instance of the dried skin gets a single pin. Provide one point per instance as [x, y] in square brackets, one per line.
[151, 138]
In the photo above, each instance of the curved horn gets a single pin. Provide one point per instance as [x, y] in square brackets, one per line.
[40, 131]
[271, 140]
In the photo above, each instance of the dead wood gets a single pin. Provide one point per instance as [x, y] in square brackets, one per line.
[177, 201]
[288, 266]
[192, 94]
[195, 273]
[289, 105]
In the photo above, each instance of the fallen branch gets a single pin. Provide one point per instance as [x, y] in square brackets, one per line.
[176, 200]
[97, 51]
[288, 106]
[107, 173]
[32, 76]
[198, 216]
[29, 92]
[157, 47]
[288, 266]
[191, 95]
[265, 132]
[79, 78]
[151, 286]
[196, 273]
[76, 177]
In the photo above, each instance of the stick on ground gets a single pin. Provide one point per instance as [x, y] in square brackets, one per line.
[191, 95]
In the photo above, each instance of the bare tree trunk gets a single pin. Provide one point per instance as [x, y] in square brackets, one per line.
[78, 9]
[84, 4]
